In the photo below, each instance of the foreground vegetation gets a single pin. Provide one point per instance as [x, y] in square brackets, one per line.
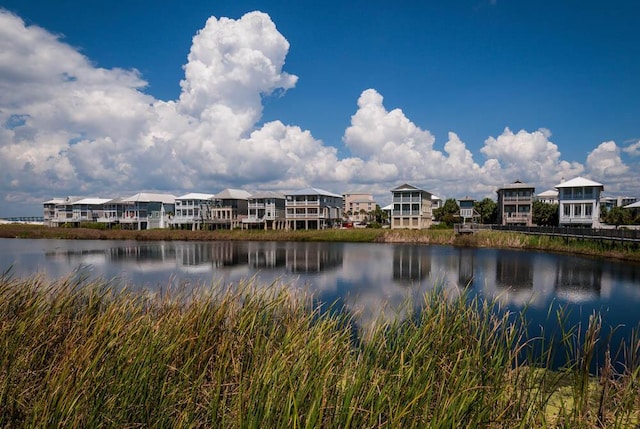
[85, 354]
[494, 239]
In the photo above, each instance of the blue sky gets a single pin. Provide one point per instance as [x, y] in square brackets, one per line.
[356, 96]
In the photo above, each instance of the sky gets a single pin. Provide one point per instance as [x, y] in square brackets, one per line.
[111, 98]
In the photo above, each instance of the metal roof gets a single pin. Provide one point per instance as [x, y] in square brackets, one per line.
[232, 194]
[313, 191]
[148, 197]
[579, 182]
[407, 187]
[195, 196]
[92, 201]
[549, 193]
[517, 185]
[267, 194]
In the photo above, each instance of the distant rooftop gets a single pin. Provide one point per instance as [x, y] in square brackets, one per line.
[313, 191]
[579, 182]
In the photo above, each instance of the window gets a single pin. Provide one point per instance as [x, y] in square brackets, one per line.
[588, 210]
[566, 210]
[577, 210]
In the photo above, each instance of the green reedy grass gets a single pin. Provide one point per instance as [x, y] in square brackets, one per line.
[75, 353]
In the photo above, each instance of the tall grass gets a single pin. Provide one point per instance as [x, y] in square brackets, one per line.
[75, 353]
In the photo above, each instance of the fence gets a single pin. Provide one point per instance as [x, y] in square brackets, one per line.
[619, 234]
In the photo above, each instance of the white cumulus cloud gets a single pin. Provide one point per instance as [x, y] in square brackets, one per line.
[68, 127]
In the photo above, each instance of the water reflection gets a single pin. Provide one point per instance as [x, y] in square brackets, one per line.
[411, 264]
[515, 273]
[578, 280]
[365, 277]
[515, 277]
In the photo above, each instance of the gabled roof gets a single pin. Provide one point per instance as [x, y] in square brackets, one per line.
[579, 182]
[148, 197]
[267, 194]
[92, 201]
[407, 187]
[232, 194]
[195, 196]
[314, 191]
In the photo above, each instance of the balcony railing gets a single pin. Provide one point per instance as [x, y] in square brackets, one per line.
[518, 199]
[405, 199]
[302, 203]
[397, 213]
[306, 216]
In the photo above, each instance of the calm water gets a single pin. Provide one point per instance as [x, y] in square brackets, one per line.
[365, 278]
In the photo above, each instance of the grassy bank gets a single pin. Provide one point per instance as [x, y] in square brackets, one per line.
[494, 239]
[88, 355]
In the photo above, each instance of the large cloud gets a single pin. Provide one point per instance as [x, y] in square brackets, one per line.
[68, 127]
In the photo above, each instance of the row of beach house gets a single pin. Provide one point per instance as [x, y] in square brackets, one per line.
[579, 203]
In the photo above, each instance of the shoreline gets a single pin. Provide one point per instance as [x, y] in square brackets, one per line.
[492, 239]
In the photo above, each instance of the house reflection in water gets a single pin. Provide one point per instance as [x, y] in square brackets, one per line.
[217, 253]
[141, 253]
[313, 257]
[465, 266]
[266, 255]
[514, 272]
[411, 264]
[578, 279]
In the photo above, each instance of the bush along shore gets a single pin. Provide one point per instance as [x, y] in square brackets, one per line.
[494, 239]
[79, 353]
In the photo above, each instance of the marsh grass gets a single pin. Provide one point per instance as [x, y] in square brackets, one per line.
[78, 353]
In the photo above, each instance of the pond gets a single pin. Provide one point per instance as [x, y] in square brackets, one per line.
[367, 279]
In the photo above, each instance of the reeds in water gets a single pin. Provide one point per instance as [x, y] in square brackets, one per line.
[78, 353]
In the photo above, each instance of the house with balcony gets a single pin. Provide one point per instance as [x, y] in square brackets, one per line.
[147, 210]
[191, 211]
[412, 208]
[357, 206]
[579, 201]
[515, 204]
[87, 210]
[112, 211]
[49, 214]
[313, 208]
[468, 213]
[228, 209]
[611, 202]
[266, 210]
[59, 211]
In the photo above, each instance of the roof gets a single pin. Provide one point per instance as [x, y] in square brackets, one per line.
[362, 200]
[54, 201]
[407, 187]
[232, 194]
[548, 193]
[267, 194]
[92, 201]
[314, 191]
[517, 185]
[580, 182]
[633, 205]
[195, 196]
[389, 207]
[148, 197]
